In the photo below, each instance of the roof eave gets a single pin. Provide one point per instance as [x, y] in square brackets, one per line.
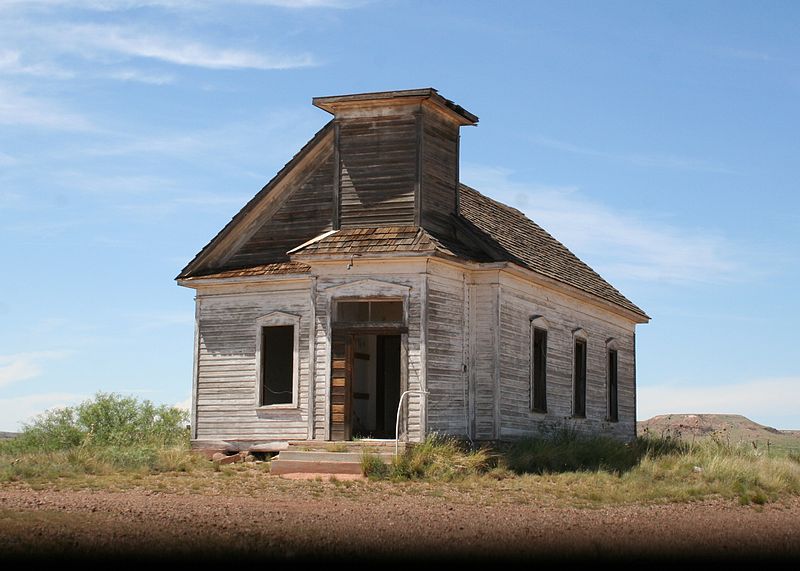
[198, 282]
[333, 102]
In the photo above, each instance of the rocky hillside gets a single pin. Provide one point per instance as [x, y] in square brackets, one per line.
[731, 428]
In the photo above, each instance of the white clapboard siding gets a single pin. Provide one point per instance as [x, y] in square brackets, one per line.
[468, 345]
[484, 371]
[518, 303]
[226, 399]
[448, 409]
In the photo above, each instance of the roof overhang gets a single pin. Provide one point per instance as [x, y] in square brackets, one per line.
[341, 104]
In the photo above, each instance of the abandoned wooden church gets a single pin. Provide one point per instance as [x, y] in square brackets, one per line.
[366, 293]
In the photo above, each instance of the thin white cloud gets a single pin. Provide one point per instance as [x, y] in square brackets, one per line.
[91, 40]
[7, 160]
[23, 366]
[151, 321]
[18, 108]
[265, 136]
[11, 62]
[744, 54]
[188, 5]
[18, 410]
[771, 397]
[620, 244]
[142, 77]
[115, 185]
[637, 159]
[46, 229]
[303, 4]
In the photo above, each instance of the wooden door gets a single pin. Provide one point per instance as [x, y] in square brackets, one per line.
[341, 385]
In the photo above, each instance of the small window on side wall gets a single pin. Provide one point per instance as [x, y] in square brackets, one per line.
[579, 378]
[611, 381]
[538, 388]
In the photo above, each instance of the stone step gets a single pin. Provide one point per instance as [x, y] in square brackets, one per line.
[295, 461]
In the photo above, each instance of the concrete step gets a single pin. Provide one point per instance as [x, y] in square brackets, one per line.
[347, 445]
[320, 462]
[279, 467]
[325, 456]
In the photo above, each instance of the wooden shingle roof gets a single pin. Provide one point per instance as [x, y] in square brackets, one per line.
[277, 268]
[392, 239]
[527, 244]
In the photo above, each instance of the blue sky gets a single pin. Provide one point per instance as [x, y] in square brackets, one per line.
[658, 140]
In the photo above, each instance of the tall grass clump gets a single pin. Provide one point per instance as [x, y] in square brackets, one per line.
[439, 458]
[104, 434]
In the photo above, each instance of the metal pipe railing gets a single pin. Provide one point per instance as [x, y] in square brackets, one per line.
[397, 422]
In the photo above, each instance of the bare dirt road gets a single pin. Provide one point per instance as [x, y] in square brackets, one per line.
[376, 522]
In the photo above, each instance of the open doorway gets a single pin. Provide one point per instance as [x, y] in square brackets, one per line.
[375, 385]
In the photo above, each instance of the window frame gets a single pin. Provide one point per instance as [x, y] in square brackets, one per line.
[612, 347]
[277, 319]
[538, 323]
[579, 336]
[339, 324]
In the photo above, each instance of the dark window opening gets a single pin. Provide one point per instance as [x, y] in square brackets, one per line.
[613, 411]
[579, 397]
[277, 361]
[374, 386]
[369, 311]
[539, 371]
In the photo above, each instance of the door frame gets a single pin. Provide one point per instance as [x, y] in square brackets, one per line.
[341, 397]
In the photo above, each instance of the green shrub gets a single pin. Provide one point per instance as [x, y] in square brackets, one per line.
[104, 434]
[105, 420]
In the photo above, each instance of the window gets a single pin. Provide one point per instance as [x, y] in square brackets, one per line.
[277, 339]
[277, 349]
[369, 311]
[611, 382]
[579, 379]
[539, 370]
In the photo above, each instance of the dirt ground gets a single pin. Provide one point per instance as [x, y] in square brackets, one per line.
[375, 521]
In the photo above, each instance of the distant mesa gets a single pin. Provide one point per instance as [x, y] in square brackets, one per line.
[730, 427]
[8, 435]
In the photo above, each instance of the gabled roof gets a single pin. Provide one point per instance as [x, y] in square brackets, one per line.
[191, 267]
[483, 230]
[529, 245]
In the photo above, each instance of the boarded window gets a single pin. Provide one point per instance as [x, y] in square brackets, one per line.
[579, 386]
[277, 360]
[369, 311]
[613, 411]
[539, 371]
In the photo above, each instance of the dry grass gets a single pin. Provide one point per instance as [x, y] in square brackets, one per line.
[650, 471]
